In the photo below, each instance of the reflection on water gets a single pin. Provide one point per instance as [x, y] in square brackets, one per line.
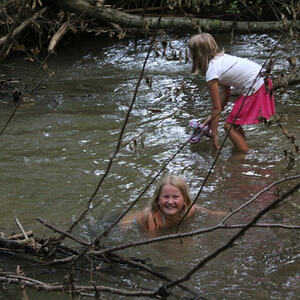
[54, 153]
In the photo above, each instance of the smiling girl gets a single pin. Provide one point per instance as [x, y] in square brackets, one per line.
[169, 203]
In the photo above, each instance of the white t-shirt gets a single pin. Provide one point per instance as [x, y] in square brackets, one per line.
[238, 72]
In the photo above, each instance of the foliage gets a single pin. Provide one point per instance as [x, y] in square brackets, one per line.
[225, 9]
[22, 30]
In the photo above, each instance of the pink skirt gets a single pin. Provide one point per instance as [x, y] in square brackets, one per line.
[254, 108]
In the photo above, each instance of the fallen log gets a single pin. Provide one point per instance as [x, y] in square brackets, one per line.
[25, 244]
[109, 15]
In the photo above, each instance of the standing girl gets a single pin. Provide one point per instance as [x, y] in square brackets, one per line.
[255, 102]
[168, 204]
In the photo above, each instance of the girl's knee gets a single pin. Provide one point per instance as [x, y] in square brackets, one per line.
[234, 127]
[243, 148]
[227, 127]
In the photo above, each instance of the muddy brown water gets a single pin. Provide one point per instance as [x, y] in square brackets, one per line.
[54, 152]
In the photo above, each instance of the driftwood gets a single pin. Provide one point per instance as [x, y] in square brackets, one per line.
[22, 26]
[51, 251]
[58, 36]
[5, 45]
[110, 15]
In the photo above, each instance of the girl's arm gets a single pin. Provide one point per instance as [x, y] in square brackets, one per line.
[129, 219]
[212, 212]
[226, 97]
[216, 109]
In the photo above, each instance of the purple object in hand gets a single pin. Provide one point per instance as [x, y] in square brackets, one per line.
[199, 131]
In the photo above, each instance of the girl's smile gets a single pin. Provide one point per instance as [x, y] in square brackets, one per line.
[171, 200]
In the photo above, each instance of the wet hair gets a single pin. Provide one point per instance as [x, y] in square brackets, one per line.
[203, 49]
[176, 181]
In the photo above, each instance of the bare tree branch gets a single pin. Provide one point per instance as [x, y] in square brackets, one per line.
[221, 225]
[77, 289]
[240, 233]
[19, 29]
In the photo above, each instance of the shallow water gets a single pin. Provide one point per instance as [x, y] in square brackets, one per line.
[54, 152]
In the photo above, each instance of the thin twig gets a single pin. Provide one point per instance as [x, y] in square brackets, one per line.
[148, 129]
[257, 195]
[223, 143]
[240, 233]
[97, 239]
[63, 232]
[21, 228]
[89, 206]
[39, 285]
[11, 116]
[187, 234]
[221, 225]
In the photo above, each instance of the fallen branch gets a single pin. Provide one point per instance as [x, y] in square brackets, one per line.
[20, 236]
[257, 195]
[58, 36]
[239, 234]
[67, 234]
[20, 28]
[110, 15]
[76, 289]
[221, 225]
[21, 227]
[16, 244]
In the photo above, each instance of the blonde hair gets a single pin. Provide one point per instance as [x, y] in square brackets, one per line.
[176, 181]
[203, 49]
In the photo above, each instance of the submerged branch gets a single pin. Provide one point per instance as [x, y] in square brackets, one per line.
[221, 225]
[188, 234]
[257, 195]
[239, 234]
[74, 289]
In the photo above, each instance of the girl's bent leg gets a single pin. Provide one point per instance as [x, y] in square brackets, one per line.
[237, 137]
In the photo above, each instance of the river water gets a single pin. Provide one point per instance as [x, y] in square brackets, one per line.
[56, 149]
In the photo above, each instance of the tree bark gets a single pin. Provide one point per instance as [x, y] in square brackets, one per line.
[109, 15]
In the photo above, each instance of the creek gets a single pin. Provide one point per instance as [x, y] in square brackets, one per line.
[55, 150]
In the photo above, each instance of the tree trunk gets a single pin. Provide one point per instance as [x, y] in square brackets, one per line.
[109, 15]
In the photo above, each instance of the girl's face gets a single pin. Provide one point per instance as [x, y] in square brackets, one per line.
[171, 201]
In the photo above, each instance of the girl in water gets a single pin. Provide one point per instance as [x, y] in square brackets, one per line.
[255, 102]
[169, 203]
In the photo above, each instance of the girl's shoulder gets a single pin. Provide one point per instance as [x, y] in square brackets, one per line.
[129, 219]
[193, 210]
[208, 211]
[217, 61]
[147, 219]
[224, 57]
